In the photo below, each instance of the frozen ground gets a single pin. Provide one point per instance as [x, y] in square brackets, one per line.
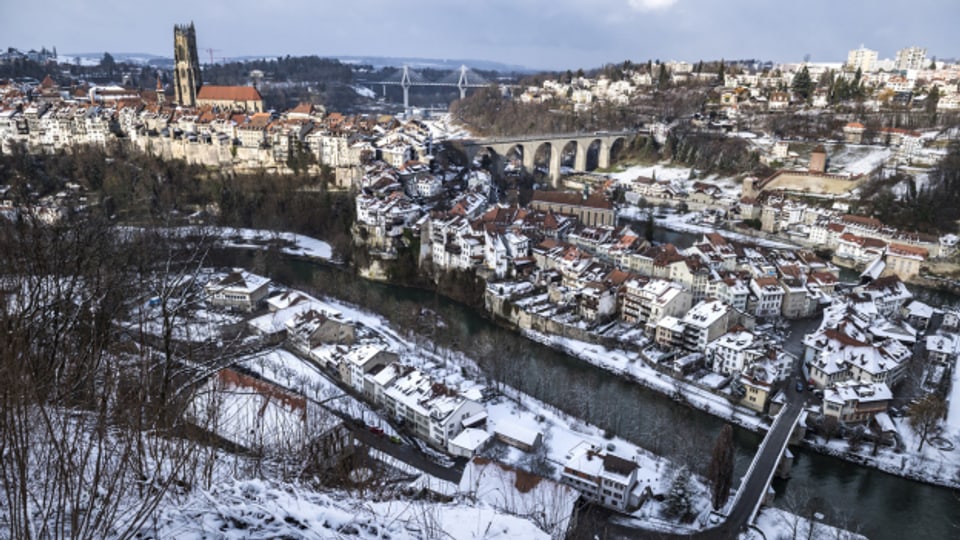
[856, 158]
[678, 176]
[192, 323]
[258, 509]
[775, 524]
[257, 238]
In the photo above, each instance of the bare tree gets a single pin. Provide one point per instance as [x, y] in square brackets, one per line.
[926, 415]
[87, 452]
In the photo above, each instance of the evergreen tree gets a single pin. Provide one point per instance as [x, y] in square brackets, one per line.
[720, 472]
[856, 87]
[649, 227]
[663, 79]
[721, 78]
[108, 64]
[678, 502]
[802, 84]
[933, 98]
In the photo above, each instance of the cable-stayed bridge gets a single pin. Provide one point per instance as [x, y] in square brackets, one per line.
[406, 78]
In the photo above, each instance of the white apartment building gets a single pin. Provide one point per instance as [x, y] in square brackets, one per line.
[733, 352]
[704, 323]
[769, 296]
[911, 58]
[601, 477]
[238, 290]
[433, 411]
[863, 59]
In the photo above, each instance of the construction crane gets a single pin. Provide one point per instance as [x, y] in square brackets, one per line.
[211, 51]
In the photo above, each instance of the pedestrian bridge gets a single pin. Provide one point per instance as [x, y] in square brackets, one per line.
[756, 481]
[606, 143]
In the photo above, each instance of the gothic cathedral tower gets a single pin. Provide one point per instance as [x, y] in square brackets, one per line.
[186, 67]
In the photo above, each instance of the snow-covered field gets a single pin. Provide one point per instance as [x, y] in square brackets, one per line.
[857, 159]
[363, 91]
[259, 509]
[678, 176]
[255, 238]
[775, 524]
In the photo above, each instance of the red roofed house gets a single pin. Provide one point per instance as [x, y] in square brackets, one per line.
[859, 248]
[234, 98]
[853, 133]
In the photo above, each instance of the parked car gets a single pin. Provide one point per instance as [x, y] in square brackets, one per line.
[376, 431]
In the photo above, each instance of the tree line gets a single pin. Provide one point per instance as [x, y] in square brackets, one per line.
[134, 187]
[933, 207]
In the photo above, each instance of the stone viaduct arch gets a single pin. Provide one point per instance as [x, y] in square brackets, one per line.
[529, 146]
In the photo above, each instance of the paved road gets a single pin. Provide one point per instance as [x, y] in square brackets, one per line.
[407, 454]
[753, 487]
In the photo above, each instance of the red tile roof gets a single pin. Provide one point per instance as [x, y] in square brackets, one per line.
[903, 249]
[229, 93]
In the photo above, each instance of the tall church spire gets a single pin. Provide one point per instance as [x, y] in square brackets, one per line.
[186, 69]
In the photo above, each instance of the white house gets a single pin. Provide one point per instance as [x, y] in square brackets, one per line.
[601, 477]
[704, 323]
[733, 352]
[238, 289]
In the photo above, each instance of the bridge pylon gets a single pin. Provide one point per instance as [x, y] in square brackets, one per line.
[406, 84]
[462, 83]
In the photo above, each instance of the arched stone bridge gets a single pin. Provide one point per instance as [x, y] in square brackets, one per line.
[529, 146]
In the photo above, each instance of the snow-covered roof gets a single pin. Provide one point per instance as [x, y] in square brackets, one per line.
[885, 422]
[737, 341]
[919, 309]
[705, 313]
[941, 343]
[516, 432]
[671, 323]
[471, 439]
[239, 281]
[286, 317]
[418, 392]
[362, 355]
[856, 391]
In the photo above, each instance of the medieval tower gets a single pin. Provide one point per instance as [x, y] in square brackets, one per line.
[186, 67]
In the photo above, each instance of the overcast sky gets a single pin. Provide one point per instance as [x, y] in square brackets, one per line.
[543, 34]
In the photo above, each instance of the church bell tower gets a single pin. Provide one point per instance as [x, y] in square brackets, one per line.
[186, 67]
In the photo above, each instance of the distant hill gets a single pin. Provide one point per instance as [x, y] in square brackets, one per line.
[445, 64]
[92, 59]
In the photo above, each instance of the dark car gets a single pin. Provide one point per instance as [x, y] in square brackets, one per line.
[799, 386]
[376, 431]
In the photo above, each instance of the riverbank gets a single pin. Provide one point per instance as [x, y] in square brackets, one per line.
[928, 467]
